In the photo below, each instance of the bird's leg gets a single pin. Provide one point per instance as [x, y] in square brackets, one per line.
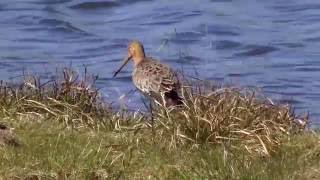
[151, 111]
[152, 118]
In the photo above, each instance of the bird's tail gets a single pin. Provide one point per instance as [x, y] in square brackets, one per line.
[172, 98]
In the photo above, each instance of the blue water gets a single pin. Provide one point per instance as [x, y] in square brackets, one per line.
[273, 45]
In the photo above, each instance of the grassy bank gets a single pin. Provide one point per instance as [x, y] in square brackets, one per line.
[67, 131]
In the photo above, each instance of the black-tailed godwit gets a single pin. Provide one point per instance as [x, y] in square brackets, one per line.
[151, 77]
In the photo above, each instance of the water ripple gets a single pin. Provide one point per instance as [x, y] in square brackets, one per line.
[290, 101]
[57, 25]
[50, 2]
[256, 50]
[102, 4]
[185, 37]
[313, 39]
[95, 5]
[27, 20]
[307, 69]
[226, 44]
[244, 74]
[159, 22]
[186, 60]
[217, 29]
[290, 45]
[297, 8]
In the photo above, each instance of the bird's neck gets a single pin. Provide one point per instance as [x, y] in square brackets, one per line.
[138, 60]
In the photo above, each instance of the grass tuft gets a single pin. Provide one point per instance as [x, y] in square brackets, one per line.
[66, 130]
[229, 116]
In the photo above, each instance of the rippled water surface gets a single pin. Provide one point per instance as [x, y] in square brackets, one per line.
[274, 45]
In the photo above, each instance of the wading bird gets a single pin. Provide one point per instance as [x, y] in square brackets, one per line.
[151, 77]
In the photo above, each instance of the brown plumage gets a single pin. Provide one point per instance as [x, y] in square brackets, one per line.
[152, 77]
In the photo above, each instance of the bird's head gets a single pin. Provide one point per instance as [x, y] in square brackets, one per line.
[135, 52]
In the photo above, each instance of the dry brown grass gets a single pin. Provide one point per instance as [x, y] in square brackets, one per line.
[233, 117]
[239, 118]
[67, 130]
[69, 99]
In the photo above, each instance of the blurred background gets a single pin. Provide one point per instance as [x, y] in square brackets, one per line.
[273, 45]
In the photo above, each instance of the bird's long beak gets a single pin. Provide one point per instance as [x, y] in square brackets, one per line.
[125, 61]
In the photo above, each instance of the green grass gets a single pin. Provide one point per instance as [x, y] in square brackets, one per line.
[50, 151]
[66, 131]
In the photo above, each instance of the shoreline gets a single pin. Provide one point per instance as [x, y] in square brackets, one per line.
[66, 130]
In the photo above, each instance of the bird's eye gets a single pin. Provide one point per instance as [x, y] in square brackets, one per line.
[131, 49]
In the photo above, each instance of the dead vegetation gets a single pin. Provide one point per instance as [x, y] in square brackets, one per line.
[229, 116]
[80, 127]
[214, 115]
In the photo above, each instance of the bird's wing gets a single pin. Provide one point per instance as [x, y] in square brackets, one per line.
[152, 76]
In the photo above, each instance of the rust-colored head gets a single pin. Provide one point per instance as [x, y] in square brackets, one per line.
[135, 52]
